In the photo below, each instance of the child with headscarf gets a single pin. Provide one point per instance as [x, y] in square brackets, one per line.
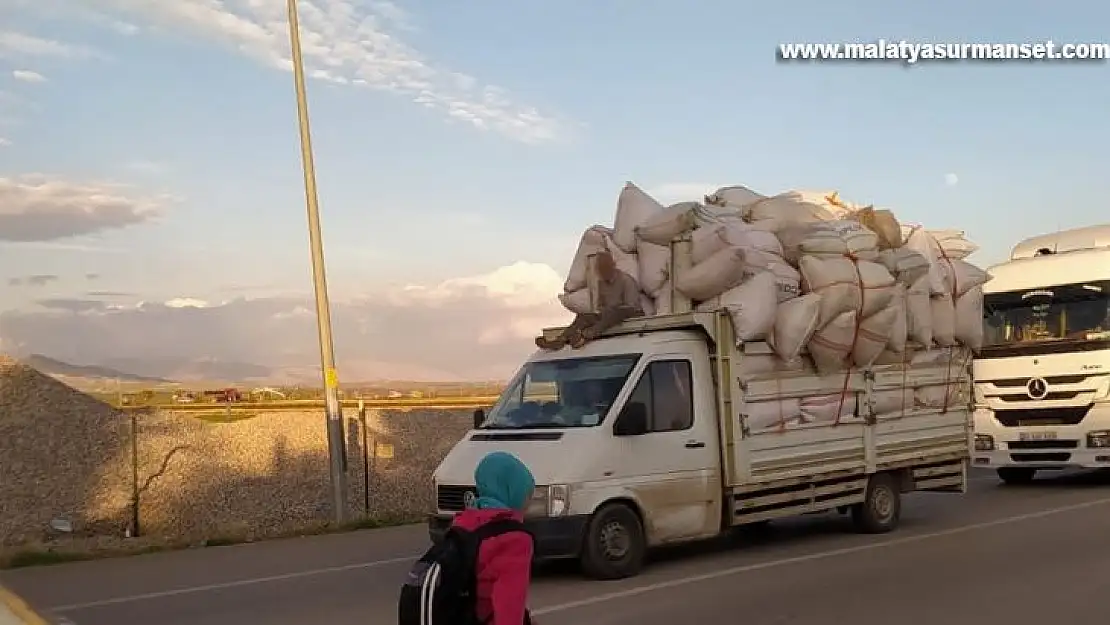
[505, 561]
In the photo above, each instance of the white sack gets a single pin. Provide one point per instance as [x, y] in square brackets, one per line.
[969, 318]
[892, 402]
[709, 240]
[751, 306]
[708, 215]
[883, 223]
[823, 408]
[760, 364]
[919, 313]
[625, 261]
[795, 207]
[905, 264]
[846, 285]
[592, 242]
[663, 299]
[943, 317]
[953, 243]
[961, 276]
[872, 337]
[654, 265]
[837, 238]
[921, 242]
[735, 196]
[634, 207]
[577, 302]
[717, 274]
[831, 345]
[647, 304]
[940, 396]
[795, 323]
[898, 332]
[776, 413]
[668, 223]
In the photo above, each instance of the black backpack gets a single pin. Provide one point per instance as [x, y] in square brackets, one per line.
[441, 588]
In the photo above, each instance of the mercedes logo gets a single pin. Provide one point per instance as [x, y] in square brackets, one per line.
[469, 499]
[1037, 388]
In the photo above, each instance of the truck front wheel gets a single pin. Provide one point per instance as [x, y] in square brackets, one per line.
[1016, 475]
[615, 543]
[881, 508]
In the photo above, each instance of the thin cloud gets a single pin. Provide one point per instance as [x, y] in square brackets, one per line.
[36, 280]
[5, 142]
[20, 45]
[348, 43]
[38, 208]
[26, 75]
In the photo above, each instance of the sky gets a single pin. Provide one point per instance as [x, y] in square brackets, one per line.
[149, 154]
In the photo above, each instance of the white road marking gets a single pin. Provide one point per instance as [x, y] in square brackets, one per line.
[235, 584]
[758, 566]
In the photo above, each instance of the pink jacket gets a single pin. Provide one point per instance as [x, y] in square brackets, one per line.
[504, 568]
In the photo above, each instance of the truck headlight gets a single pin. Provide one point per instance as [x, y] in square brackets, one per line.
[1098, 438]
[548, 501]
[984, 442]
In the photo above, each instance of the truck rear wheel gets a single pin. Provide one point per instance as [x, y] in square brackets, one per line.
[1014, 476]
[881, 508]
[615, 543]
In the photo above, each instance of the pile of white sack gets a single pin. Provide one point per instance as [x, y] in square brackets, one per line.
[815, 277]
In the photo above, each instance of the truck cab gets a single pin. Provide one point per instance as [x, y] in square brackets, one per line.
[1042, 379]
[659, 452]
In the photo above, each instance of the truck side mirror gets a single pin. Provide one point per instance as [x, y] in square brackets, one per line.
[479, 418]
[632, 420]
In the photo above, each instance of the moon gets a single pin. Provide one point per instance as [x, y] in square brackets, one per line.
[951, 179]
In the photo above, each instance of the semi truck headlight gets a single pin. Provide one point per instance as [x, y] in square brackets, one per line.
[984, 442]
[1098, 438]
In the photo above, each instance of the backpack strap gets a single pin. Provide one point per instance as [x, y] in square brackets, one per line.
[499, 527]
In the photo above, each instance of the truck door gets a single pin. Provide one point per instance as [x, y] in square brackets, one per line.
[673, 466]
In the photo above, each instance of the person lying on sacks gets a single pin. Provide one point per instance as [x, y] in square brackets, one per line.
[618, 299]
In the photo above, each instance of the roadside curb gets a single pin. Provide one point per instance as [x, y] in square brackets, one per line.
[15, 611]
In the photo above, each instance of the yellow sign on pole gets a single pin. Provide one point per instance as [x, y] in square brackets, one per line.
[383, 450]
[331, 378]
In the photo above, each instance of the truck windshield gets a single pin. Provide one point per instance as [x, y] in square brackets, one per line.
[1046, 320]
[575, 392]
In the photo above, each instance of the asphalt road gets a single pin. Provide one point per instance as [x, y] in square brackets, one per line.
[997, 556]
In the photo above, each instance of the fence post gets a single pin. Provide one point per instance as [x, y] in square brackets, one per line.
[134, 474]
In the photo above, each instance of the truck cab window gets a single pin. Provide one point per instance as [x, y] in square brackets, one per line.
[665, 389]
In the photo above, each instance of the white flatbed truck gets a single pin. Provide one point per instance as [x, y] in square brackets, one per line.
[641, 439]
[1042, 379]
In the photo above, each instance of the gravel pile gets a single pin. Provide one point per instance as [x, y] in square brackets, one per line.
[63, 455]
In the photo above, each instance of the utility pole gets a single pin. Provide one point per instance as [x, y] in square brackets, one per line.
[337, 444]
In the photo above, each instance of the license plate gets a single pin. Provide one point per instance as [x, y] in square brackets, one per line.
[1037, 436]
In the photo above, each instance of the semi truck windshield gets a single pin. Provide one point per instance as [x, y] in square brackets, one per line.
[1046, 320]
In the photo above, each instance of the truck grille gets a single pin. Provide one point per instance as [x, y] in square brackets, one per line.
[1047, 457]
[1052, 380]
[1071, 415]
[1043, 444]
[452, 498]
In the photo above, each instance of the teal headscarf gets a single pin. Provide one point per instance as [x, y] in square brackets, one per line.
[503, 482]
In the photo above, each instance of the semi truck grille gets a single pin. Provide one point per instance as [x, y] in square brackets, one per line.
[1071, 415]
[1043, 457]
[1052, 381]
[1043, 444]
[452, 498]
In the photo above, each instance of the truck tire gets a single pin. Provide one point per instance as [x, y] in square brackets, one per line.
[881, 508]
[615, 543]
[1015, 476]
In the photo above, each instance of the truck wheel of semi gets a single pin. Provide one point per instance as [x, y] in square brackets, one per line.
[1042, 378]
[649, 436]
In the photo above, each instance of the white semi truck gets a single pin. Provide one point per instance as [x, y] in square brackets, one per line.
[1042, 379]
[644, 437]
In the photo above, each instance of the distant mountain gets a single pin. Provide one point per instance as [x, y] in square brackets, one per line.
[51, 366]
[195, 370]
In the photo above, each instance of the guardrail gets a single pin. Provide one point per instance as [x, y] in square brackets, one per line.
[15, 611]
[309, 404]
